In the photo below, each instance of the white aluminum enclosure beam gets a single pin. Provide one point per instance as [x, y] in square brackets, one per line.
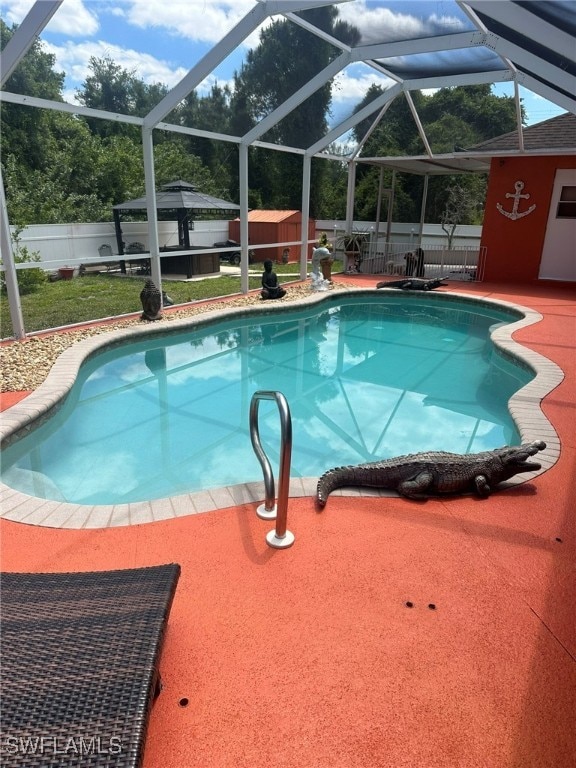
[350, 196]
[10, 275]
[448, 156]
[371, 130]
[63, 106]
[25, 35]
[243, 190]
[518, 105]
[198, 132]
[328, 38]
[514, 16]
[279, 147]
[469, 78]
[418, 122]
[207, 64]
[547, 92]
[354, 119]
[224, 48]
[337, 43]
[418, 45]
[151, 209]
[297, 98]
[73, 109]
[526, 60]
[306, 175]
[282, 7]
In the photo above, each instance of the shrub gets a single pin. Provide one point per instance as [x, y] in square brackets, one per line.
[29, 280]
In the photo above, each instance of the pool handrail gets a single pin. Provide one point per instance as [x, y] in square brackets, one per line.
[280, 537]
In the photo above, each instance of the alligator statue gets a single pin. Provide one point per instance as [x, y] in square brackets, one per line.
[420, 475]
[413, 284]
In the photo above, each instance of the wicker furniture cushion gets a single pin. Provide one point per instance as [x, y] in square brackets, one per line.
[79, 671]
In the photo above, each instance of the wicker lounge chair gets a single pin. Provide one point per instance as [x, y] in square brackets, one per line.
[80, 658]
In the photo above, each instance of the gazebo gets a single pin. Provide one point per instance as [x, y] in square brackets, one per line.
[181, 201]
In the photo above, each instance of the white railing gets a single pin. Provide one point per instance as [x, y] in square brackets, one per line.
[460, 263]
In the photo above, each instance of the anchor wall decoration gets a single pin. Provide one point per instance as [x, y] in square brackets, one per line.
[517, 196]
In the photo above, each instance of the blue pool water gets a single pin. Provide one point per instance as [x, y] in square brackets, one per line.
[365, 379]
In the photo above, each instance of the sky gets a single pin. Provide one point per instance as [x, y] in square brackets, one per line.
[160, 40]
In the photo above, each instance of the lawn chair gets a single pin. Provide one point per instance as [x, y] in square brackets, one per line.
[80, 658]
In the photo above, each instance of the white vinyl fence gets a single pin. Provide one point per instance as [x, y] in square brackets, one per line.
[70, 245]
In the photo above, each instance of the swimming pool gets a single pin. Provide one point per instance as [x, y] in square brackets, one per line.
[366, 377]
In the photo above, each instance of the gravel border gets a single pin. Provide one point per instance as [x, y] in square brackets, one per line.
[25, 364]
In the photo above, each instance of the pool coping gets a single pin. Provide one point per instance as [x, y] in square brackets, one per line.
[524, 407]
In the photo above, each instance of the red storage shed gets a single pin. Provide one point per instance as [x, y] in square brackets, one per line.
[273, 227]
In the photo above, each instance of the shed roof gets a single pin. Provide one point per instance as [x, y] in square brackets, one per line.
[270, 217]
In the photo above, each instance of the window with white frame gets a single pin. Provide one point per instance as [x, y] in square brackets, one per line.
[567, 204]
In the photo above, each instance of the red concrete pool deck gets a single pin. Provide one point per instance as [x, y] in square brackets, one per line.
[311, 657]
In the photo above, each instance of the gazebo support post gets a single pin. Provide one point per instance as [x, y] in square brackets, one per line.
[119, 235]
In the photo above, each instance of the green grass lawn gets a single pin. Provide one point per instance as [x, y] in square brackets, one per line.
[97, 296]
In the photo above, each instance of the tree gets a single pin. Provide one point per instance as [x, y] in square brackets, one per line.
[23, 128]
[460, 208]
[284, 61]
[453, 119]
[488, 115]
[114, 89]
[173, 162]
[210, 113]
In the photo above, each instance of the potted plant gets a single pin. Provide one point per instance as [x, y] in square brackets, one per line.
[351, 243]
[66, 273]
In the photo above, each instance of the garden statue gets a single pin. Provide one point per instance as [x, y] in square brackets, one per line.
[418, 263]
[322, 259]
[270, 287]
[319, 282]
[410, 260]
[420, 475]
[151, 299]
[413, 284]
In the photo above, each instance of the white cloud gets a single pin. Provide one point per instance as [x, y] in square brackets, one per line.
[199, 20]
[74, 59]
[72, 18]
[378, 25]
[350, 86]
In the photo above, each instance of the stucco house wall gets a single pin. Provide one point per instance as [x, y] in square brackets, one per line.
[514, 245]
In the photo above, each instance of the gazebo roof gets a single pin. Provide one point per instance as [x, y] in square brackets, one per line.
[177, 195]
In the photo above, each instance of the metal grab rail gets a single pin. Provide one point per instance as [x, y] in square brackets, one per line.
[280, 538]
